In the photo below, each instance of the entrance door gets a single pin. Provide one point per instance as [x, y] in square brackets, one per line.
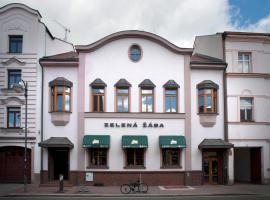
[210, 170]
[255, 162]
[58, 163]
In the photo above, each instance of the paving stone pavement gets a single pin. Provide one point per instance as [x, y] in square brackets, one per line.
[237, 189]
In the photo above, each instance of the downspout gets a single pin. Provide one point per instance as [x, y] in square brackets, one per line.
[225, 91]
[226, 154]
[41, 112]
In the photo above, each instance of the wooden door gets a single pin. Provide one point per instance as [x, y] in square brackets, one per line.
[255, 162]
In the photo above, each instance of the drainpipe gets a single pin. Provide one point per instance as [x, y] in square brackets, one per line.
[41, 112]
[226, 154]
[225, 92]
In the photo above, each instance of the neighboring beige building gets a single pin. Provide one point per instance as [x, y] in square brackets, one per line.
[24, 39]
[248, 100]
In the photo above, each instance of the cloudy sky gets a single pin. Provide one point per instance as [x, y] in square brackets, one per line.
[179, 21]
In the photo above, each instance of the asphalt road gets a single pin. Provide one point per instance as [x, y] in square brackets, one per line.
[238, 197]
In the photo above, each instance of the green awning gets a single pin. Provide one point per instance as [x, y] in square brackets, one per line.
[173, 141]
[96, 141]
[134, 141]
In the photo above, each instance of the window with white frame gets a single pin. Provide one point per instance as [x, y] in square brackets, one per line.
[244, 62]
[246, 109]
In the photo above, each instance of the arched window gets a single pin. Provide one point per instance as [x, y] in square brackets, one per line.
[60, 95]
[207, 96]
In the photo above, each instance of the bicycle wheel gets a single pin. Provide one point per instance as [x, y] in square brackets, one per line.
[125, 189]
[143, 187]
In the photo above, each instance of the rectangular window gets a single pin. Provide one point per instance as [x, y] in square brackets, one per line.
[15, 43]
[134, 157]
[246, 109]
[122, 100]
[61, 99]
[171, 157]
[147, 100]
[14, 77]
[207, 99]
[171, 100]
[98, 157]
[14, 117]
[98, 99]
[244, 62]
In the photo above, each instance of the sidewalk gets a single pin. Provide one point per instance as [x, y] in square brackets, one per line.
[35, 190]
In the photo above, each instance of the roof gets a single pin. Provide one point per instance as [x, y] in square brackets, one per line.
[60, 81]
[62, 57]
[226, 33]
[171, 84]
[214, 143]
[207, 60]
[56, 142]
[133, 34]
[147, 83]
[122, 83]
[98, 83]
[22, 6]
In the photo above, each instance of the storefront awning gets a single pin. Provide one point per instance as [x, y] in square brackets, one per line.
[214, 144]
[57, 142]
[96, 141]
[173, 141]
[134, 141]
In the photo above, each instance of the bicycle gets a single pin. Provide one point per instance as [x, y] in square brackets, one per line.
[134, 187]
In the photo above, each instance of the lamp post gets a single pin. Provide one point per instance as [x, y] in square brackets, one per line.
[23, 86]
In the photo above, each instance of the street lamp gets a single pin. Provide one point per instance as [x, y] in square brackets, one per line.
[22, 86]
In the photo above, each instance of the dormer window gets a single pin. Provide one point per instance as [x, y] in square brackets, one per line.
[207, 97]
[60, 95]
[15, 43]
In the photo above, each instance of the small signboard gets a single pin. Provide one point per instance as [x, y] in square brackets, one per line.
[89, 176]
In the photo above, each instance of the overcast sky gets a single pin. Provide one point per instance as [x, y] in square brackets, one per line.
[178, 21]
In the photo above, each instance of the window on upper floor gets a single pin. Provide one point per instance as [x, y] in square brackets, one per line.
[171, 96]
[244, 62]
[15, 43]
[207, 97]
[13, 117]
[60, 95]
[98, 95]
[122, 95]
[147, 96]
[122, 99]
[171, 100]
[135, 53]
[14, 77]
[147, 99]
[246, 109]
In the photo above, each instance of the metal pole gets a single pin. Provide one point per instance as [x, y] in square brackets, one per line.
[25, 137]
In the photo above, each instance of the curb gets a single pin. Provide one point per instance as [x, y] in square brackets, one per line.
[126, 195]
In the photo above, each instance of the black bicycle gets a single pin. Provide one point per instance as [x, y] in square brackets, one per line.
[134, 187]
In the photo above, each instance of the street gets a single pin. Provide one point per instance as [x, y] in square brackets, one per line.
[215, 197]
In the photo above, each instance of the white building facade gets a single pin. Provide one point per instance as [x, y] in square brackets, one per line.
[24, 39]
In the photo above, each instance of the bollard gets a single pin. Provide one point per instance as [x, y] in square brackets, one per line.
[61, 183]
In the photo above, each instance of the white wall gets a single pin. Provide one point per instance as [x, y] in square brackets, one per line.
[70, 129]
[199, 132]
[116, 162]
[111, 62]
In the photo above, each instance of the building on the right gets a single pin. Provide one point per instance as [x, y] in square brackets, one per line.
[247, 102]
